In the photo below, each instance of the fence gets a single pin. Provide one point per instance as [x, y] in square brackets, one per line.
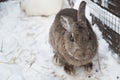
[106, 14]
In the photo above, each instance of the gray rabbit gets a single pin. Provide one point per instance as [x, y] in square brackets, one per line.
[73, 40]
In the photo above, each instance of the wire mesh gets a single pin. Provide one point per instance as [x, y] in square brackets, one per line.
[108, 21]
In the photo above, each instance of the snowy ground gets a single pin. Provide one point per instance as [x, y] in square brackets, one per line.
[25, 53]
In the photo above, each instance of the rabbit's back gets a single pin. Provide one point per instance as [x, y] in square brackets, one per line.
[41, 7]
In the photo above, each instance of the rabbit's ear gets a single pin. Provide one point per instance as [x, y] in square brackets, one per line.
[71, 3]
[81, 12]
[66, 22]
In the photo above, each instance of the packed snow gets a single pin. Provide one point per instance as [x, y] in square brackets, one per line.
[25, 53]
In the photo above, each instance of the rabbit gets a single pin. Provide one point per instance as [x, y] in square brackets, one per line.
[73, 40]
[41, 7]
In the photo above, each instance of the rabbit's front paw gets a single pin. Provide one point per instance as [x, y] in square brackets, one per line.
[69, 69]
[88, 67]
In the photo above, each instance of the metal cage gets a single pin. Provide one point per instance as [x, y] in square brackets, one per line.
[106, 14]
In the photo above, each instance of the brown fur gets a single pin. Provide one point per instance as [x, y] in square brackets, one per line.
[83, 48]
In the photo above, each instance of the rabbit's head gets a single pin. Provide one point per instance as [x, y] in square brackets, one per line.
[76, 38]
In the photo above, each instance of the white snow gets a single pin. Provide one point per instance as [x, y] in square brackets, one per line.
[25, 53]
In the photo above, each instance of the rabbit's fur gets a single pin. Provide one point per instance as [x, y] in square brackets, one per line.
[41, 7]
[72, 39]
[71, 3]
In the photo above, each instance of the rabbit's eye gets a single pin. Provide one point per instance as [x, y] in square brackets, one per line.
[71, 38]
[90, 38]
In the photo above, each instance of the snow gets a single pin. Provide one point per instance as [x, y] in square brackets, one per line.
[25, 53]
